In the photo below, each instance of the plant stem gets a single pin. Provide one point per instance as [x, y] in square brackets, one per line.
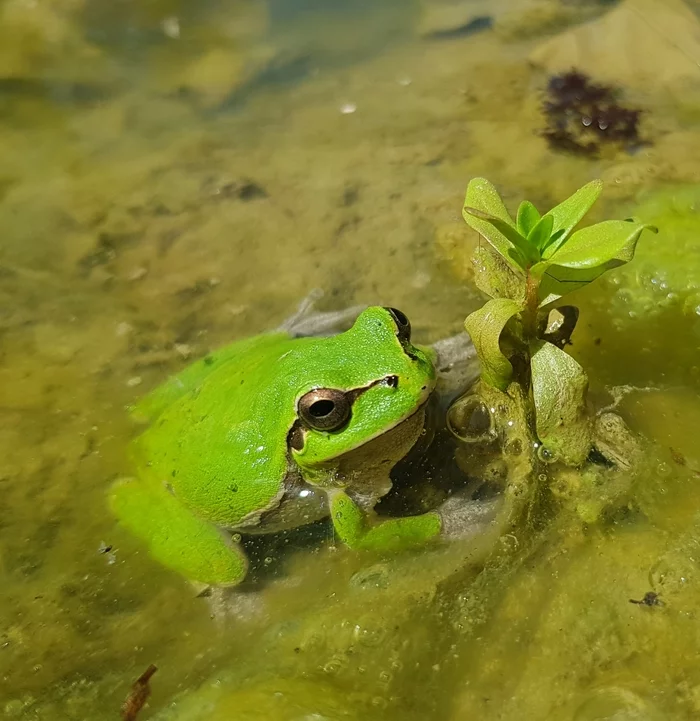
[530, 311]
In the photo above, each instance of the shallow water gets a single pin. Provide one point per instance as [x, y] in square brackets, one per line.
[178, 175]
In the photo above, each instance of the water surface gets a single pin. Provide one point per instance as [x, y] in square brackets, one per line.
[176, 175]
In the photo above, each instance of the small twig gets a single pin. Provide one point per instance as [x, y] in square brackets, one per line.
[140, 691]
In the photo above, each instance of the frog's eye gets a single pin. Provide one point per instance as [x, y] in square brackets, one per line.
[403, 325]
[325, 409]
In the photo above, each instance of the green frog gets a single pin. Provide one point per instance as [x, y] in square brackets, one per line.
[283, 429]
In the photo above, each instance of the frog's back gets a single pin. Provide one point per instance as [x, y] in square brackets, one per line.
[218, 430]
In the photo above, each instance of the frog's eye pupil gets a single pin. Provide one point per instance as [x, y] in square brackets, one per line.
[325, 409]
[403, 325]
[319, 409]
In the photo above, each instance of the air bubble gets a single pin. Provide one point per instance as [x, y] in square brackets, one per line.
[333, 666]
[470, 420]
[367, 636]
[514, 448]
[545, 455]
[663, 469]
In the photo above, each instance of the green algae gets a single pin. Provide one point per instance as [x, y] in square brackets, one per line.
[667, 272]
[127, 249]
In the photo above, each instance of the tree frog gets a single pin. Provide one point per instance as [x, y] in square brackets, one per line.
[277, 431]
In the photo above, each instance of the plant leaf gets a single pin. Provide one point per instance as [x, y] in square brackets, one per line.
[483, 197]
[521, 251]
[589, 253]
[485, 327]
[558, 281]
[611, 240]
[495, 277]
[559, 389]
[541, 233]
[528, 217]
[567, 215]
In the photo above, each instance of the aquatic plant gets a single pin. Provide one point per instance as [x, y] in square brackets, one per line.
[582, 116]
[526, 266]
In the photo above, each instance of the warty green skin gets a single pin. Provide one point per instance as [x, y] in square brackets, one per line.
[216, 456]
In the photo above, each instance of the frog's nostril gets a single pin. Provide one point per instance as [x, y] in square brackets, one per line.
[403, 325]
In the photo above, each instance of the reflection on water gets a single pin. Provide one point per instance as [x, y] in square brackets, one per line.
[176, 175]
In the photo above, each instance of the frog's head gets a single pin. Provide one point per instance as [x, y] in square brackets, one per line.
[361, 384]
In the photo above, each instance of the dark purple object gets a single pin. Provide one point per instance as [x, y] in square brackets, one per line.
[582, 116]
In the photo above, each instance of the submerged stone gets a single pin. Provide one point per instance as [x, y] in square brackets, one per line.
[641, 44]
[541, 17]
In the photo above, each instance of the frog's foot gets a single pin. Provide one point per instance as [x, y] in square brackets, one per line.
[463, 517]
[308, 322]
[176, 537]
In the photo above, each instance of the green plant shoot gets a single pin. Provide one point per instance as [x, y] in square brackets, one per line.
[539, 259]
[527, 265]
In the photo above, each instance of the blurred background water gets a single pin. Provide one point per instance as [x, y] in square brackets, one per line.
[176, 175]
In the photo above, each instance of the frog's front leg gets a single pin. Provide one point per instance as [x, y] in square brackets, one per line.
[456, 518]
[176, 537]
[353, 526]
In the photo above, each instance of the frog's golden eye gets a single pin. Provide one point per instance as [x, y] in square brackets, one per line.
[325, 409]
[403, 325]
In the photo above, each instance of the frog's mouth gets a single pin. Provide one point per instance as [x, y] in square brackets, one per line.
[307, 423]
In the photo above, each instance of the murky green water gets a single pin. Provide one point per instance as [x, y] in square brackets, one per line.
[175, 175]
